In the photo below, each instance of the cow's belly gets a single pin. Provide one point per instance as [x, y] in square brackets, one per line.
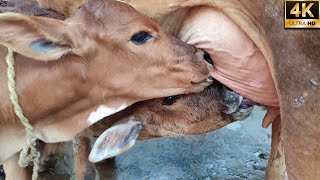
[238, 62]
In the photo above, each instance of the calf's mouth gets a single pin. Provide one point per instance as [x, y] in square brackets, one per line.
[236, 105]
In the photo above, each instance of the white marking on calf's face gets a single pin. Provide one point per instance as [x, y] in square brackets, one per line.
[102, 112]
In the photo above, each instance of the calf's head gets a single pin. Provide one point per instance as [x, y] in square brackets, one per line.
[126, 57]
[179, 115]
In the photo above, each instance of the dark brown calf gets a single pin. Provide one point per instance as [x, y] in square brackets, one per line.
[179, 115]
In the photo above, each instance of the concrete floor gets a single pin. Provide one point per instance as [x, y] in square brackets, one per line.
[237, 151]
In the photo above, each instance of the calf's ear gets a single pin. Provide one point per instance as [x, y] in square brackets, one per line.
[115, 141]
[39, 38]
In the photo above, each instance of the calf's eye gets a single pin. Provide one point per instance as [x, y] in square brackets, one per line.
[170, 100]
[245, 106]
[141, 38]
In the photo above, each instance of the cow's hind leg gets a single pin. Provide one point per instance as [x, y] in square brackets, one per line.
[83, 168]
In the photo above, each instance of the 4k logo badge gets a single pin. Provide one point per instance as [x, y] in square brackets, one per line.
[302, 14]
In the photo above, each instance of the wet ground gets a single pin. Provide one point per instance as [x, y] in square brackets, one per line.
[237, 151]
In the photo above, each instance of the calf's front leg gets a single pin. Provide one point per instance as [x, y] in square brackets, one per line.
[13, 171]
[83, 168]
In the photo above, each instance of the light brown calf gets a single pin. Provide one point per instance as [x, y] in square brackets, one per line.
[99, 62]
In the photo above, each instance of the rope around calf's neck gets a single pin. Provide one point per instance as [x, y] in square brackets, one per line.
[25, 157]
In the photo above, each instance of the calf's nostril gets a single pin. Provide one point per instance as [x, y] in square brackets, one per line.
[207, 57]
